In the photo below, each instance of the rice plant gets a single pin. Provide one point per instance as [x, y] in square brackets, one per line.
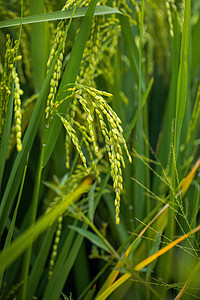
[99, 149]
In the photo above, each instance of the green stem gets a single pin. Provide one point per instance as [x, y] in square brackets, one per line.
[139, 203]
[12, 225]
[180, 111]
[32, 218]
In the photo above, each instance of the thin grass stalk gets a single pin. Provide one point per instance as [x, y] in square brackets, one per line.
[139, 199]
[32, 218]
[12, 225]
[180, 111]
[182, 78]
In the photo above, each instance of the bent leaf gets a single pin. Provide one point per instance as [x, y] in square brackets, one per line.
[91, 237]
[58, 15]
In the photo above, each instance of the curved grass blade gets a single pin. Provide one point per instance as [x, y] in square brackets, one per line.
[12, 225]
[143, 264]
[113, 275]
[39, 55]
[132, 50]
[39, 264]
[113, 287]
[63, 264]
[26, 239]
[188, 282]
[58, 15]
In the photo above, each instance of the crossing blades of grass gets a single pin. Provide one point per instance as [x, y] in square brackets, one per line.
[148, 260]
[63, 265]
[109, 286]
[25, 239]
[39, 264]
[12, 225]
[143, 264]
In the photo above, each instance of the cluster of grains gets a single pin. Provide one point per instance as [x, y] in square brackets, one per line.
[113, 134]
[26, 112]
[59, 36]
[126, 10]
[96, 108]
[55, 246]
[12, 10]
[10, 74]
[169, 15]
[97, 55]
[88, 105]
[13, 291]
[5, 84]
[180, 8]
[17, 109]
[63, 188]
[99, 51]
[73, 136]
[80, 3]
[25, 66]
[101, 45]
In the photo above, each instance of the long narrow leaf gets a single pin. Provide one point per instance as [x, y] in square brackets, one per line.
[25, 239]
[39, 264]
[58, 15]
[63, 266]
[132, 50]
[182, 77]
[113, 287]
